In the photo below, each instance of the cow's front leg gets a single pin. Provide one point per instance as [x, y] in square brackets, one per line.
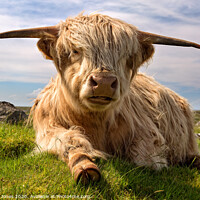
[82, 167]
[74, 148]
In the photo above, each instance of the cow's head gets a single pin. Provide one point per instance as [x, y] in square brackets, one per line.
[96, 56]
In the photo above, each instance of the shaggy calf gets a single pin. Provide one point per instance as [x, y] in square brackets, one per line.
[99, 105]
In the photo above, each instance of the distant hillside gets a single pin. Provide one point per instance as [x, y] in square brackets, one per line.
[25, 109]
[196, 116]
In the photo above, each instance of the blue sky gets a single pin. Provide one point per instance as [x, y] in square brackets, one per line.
[24, 72]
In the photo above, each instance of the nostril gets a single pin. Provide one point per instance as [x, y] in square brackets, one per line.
[103, 82]
[114, 84]
[93, 82]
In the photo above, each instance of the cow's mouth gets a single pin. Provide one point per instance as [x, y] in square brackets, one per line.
[100, 100]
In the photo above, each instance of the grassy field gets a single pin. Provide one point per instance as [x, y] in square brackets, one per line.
[44, 176]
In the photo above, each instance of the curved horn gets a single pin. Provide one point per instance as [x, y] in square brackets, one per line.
[30, 33]
[159, 39]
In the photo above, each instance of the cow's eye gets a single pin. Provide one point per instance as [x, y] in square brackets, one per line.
[74, 54]
[129, 62]
[75, 51]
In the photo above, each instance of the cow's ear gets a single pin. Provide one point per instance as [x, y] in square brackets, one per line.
[145, 52]
[45, 45]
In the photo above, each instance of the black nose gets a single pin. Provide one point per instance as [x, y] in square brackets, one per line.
[103, 84]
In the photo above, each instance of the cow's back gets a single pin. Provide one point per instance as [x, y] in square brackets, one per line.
[157, 107]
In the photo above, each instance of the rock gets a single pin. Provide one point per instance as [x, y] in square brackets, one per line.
[197, 124]
[10, 114]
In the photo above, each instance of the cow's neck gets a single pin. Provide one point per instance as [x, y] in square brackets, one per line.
[95, 124]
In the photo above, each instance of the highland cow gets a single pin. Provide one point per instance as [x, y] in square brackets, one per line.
[99, 105]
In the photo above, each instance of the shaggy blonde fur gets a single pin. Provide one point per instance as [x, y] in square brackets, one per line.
[148, 124]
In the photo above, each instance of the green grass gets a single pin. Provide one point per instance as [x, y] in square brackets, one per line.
[22, 175]
[196, 119]
[196, 116]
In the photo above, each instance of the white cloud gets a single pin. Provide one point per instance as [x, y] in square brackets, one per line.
[34, 93]
[21, 61]
[195, 104]
[176, 65]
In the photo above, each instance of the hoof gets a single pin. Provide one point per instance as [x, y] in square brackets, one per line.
[86, 174]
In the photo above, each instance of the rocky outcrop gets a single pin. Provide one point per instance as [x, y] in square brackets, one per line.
[197, 124]
[10, 114]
